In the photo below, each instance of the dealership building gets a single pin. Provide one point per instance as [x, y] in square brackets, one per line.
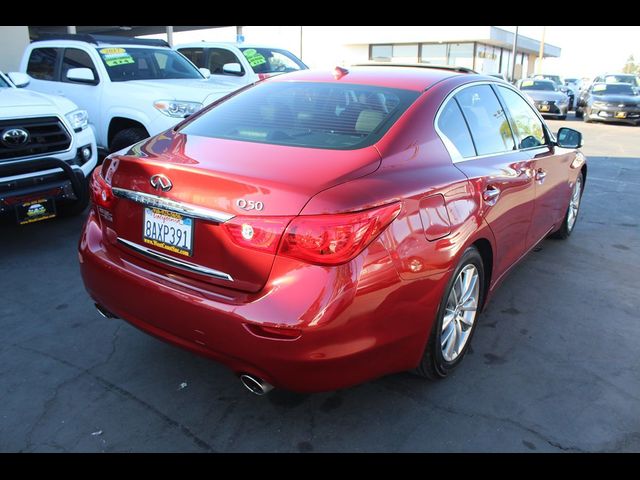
[485, 49]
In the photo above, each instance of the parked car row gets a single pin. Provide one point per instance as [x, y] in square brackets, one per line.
[120, 91]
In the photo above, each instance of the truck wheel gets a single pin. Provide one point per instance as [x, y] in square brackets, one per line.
[127, 137]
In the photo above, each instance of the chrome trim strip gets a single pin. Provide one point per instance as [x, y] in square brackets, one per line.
[174, 262]
[455, 155]
[189, 210]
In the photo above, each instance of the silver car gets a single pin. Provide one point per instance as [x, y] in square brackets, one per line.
[546, 96]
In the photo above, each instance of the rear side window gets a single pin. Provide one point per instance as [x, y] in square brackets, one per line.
[305, 114]
[487, 121]
[452, 124]
[42, 63]
[76, 58]
[218, 57]
[528, 126]
[196, 55]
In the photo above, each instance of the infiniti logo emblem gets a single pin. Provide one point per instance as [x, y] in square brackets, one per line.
[161, 182]
[14, 137]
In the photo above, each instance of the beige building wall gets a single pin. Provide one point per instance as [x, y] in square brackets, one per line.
[13, 41]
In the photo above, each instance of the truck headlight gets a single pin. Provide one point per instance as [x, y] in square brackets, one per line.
[176, 108]
[79, 119]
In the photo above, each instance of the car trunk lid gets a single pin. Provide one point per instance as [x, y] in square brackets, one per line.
[213, 180]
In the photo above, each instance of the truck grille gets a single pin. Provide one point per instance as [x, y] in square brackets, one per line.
[46, 135]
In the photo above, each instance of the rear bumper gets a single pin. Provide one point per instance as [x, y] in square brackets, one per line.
[355, 323]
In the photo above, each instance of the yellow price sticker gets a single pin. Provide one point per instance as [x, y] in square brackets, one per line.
[112, 51]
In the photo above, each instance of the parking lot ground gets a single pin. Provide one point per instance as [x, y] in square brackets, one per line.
[554, 366]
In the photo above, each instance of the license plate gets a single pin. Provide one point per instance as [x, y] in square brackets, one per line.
[621, 114]
[168, 230]
[36, 210]
[544, 108]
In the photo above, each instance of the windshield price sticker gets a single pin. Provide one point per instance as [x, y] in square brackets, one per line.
[599, 88]
[254, 58]
[116, 56]
[527, 83]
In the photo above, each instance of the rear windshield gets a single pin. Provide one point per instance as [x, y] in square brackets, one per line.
[272, 60]
[315, 115]
[131, 63]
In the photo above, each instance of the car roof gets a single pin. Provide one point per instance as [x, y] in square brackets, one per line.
[225, 44]
[416, 78]
[78, 43]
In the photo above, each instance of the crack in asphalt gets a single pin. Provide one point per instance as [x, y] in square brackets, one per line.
[420, 399]
[113, 388]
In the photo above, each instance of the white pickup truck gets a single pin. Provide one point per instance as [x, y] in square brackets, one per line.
[47, 152]
[132, 88]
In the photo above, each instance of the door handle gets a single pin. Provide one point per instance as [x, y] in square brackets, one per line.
[491, 194]
[540, 175]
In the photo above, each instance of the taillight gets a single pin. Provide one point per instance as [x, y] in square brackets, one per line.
[101, 193]
[335, 239]
[257, 233]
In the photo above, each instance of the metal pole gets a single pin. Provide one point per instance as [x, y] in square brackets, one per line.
[513, 55]
[300, 42]
[71, 29]
[170, 35]
[541, 53]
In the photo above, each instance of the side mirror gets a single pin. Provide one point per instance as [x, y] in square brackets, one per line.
[84, 75]
[205, 71]
[232, 69]
[569, 138]
[19, 79]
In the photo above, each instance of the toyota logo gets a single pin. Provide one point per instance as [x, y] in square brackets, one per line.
[14, 137]
[161, 182]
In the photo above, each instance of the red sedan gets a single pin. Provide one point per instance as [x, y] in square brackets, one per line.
[317, 230]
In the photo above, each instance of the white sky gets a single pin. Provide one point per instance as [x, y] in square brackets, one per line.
[586, 51]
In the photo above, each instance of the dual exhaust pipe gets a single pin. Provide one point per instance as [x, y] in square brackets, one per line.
[254, 384]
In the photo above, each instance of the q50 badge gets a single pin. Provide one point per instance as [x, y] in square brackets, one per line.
[249, 204]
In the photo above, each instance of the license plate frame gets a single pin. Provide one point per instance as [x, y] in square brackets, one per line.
[164, 221]
[36, 210]
[620, 115]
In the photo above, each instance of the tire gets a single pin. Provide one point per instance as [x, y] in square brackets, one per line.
[573, 210]
[127, 137]
[434, 364]
[579, 113]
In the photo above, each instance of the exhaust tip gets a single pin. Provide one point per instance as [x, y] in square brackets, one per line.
[255, 385]
[104, 312]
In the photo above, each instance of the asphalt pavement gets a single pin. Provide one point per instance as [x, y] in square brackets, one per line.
[554, 366]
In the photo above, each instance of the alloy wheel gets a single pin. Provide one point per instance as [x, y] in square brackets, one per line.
[460, 313]
[574, 204]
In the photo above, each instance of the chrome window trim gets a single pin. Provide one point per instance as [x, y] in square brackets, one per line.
[186, 209]
[42, 155]
[174, 262]
[454, 153]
